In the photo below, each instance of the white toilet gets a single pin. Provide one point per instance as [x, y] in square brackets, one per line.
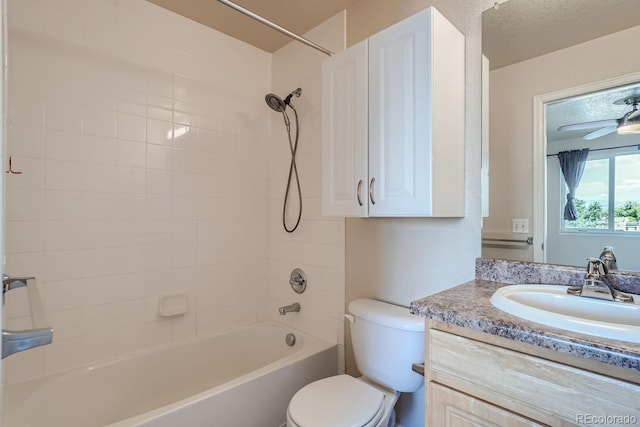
[386, 340]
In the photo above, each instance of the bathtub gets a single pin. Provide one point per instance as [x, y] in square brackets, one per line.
[242, 378]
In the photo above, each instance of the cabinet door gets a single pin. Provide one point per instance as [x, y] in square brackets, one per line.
[400, 118]
[450, 408]
[344, 126]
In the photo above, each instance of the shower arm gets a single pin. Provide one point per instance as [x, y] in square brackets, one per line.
[275, 26]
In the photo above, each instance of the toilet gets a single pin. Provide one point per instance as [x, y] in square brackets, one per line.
[386, 341]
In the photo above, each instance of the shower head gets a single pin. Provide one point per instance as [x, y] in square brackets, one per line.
[277, 104]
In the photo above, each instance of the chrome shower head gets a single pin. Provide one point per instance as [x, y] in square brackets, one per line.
[277, 104]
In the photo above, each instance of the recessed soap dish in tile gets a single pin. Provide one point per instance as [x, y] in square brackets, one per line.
[172, 304]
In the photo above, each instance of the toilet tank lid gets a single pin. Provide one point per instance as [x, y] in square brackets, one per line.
[386, 314]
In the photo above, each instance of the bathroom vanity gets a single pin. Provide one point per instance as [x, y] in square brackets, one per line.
[486, 367]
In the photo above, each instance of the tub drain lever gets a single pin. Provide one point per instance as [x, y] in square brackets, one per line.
[41, 334]
[9, 283]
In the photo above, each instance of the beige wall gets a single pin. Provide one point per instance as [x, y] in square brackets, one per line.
[512, 90]
[403, 259]
[399, 260]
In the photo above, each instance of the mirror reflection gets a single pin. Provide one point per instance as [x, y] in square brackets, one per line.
[590, 149]
[551, 91]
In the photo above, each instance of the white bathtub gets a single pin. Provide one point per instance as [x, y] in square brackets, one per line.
[242, 378]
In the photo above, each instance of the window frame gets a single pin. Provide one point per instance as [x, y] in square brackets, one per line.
[610, 154]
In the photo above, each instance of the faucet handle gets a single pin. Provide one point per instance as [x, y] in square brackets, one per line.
[596, 268]
[298, 280]
[609, 258]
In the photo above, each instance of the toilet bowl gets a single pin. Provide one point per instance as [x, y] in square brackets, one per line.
[342, 401]
[386, 340]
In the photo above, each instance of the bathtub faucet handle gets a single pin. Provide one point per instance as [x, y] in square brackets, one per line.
[298, 280]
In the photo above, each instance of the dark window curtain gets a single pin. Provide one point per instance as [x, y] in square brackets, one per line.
[572, 165]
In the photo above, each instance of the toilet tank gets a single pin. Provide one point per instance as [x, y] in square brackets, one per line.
[387, 340]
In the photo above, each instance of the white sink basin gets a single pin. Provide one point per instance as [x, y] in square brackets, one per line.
[551, 305]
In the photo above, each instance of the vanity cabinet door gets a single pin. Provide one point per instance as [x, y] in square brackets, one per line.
[450, 408]
[532, 387]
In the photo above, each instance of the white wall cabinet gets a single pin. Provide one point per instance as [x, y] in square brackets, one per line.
[345, 182]
[393, 122]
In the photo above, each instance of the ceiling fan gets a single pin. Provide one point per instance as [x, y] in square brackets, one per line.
[624, 126]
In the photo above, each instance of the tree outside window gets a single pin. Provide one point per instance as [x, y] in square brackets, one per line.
[608, 197]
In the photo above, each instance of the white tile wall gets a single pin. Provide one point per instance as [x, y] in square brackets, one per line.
[150, 166]
[144, 171]
[317, 246]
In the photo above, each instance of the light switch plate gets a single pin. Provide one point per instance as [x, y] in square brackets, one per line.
[520, 226]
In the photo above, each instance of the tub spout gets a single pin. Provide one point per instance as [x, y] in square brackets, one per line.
[295, 307]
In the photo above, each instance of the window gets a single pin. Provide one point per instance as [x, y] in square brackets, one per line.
[608, 196]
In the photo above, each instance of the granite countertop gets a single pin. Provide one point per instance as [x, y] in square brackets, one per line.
[468, 305]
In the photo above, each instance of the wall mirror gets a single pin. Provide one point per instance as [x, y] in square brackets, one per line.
[553, 64]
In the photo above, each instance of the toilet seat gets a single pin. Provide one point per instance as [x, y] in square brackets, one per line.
[339, 401]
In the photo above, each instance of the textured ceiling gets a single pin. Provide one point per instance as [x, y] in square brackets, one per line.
[587, 108]
[517, 30]
[523, 29]
[294, 15]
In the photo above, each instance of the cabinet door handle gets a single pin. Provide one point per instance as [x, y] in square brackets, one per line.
[358, 192]
[373, 201]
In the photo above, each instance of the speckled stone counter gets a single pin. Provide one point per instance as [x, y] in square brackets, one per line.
[519, 272]
[468, 305]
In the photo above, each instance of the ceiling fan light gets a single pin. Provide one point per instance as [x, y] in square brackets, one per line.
[628, 128]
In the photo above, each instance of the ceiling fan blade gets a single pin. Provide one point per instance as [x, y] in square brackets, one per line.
[589, 125]
[600, 132]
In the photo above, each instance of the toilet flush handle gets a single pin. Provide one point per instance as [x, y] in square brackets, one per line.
[350, 318]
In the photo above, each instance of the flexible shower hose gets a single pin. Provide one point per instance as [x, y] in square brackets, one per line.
[293, 172]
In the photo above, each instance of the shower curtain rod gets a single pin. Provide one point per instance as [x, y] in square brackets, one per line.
[606, 148]
[276, 27]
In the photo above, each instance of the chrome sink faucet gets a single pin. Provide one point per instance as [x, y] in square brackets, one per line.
[598, 283]
[609, 258]
[295, 307]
